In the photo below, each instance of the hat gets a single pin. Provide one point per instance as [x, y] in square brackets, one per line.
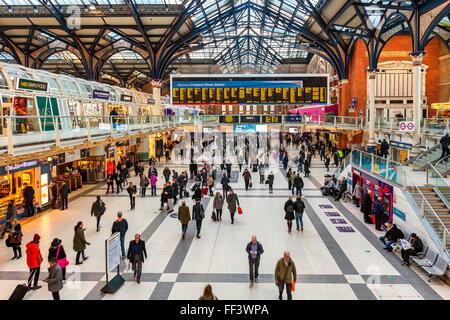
[36, 237]
[55, 242]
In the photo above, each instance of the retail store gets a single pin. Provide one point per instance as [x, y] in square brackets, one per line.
[80, 167]
[13, 178]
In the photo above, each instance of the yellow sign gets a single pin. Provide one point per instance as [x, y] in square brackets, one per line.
[443, 105]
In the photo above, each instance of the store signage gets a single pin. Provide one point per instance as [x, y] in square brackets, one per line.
[271, 119]
[399, 213]
[406, 126]
[100, 94]
[333, 100]
[126, 98]
[293, 118]
[113, 252]
[27, 84]
[250, 119]
[244, 128]
[150, 101]
[61, 158]
[85, 153]
[400, 145]
[12, 168]
[229, 119]
[44, 189]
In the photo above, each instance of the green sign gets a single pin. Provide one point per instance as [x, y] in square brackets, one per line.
[34, 85]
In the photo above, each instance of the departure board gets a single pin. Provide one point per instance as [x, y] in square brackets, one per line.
[249, 89]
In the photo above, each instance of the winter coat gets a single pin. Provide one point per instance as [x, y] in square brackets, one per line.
[366, 204]
[298, 182]
[393, 234]
[289, 215]
[153, 180]
[95, 210]
[270, 178]
[285, 273]
[183, 214]
[233, 202]
[53, 251]
[198, 212]
[136, 249]
[378, 208]
[299, 206]
[120, 226]
[166, 173]
[132, 191]
[142, 182]
[64, 191]
[55, 278]
[33, 253]
[225, 181]
[28, 193]
[218, 202]
[259, 249]
[79, 241]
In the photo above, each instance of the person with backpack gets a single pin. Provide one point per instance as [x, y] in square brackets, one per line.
[298, 184]
[299, 208]
[97, 210]
[56, 251]
[184, 216]
[233, 203]
[34, 261]
[289, 212]
[198, 214]
[132, 190]
[121, 226]
[218, 205]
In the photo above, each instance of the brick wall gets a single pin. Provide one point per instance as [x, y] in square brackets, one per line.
[398, 48]
[444, 73]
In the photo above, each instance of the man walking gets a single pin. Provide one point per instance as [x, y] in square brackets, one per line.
[136, 254]
[298, 184]
[254, 250]
[285, 275]
[121, 226]
[198, 214]
[184, 216]
[97, 210]
[225, 181]
[64, 192]
[132, 190]
[233, 203]
[28, 197]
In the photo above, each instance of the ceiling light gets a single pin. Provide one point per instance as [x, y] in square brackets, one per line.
[92, 6]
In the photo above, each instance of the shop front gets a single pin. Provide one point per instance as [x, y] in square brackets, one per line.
[79, 167]
[378, 187]
[14, 178]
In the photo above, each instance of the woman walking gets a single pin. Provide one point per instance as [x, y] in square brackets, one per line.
[208, 294]
[357, 193]
[218, 205]
[247, 177]
[289, 212]
[79, 242]
[210, 185]
[14, 239]
[56, 251]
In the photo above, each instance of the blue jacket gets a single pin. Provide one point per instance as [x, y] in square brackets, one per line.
[136, 249]
[378, 208]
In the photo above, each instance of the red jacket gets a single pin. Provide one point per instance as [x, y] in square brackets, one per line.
[33, 253]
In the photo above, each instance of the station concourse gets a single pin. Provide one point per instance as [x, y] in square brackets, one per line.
[238, 150]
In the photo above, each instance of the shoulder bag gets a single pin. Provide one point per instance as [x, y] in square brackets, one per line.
[62, 262]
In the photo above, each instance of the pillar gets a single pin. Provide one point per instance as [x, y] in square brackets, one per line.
[156, 86]
[371, 145]
[344, 98]
[417, 58]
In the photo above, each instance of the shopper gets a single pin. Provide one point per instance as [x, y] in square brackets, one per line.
[166, 174]
[121, 226]
[64, 193]
[54, 279]
[366, 206]
[11, 214]
[34, 260]
[57, 252]
[136, 255]
[153, 180]
[291, 182]
[269, 181]
[28, 197]
[299, 208]
[218, 205]
[225, 183]
[208, 294]
[198, 214]
[79, 242]
[233, 203]
[289, 212]
[143, 183]
[254, 250]
[247, 177]
[378, 211]
[285, 275]
[298, 184]
[97, 210]
[132, 190]
[184, 216]
[357, 193]
[110, 183]
[54, 193]
[118, 178]
[14, 239]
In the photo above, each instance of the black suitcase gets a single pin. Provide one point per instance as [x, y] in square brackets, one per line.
[19, 292]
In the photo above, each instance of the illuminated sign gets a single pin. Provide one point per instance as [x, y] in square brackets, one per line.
[100, 94]
[27, 84]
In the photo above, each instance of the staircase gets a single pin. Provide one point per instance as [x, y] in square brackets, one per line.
[431, 156]
[435, 209]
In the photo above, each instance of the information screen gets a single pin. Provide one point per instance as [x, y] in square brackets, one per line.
[239, 89]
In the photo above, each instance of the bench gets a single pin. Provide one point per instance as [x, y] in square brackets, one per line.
[438, 268]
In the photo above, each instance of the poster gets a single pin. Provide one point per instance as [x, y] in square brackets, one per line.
[112, 252]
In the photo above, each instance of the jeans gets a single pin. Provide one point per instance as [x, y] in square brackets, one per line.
[300, 167]
[153, 190]
[110, 184]
[64, 201]
[34, 273]
[299, 220]
[253, 265]
[143, 192]
[298, 191]
[184, 228]
[199, 226]
[137, 267]
[17, 251]
[98, 222]
[132, 201]
[122, 245]
[219, 214]
[386, 243]
[281, 285]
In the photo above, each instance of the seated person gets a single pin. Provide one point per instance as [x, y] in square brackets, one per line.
[391, 236]
[329, 188]
[416, 247]
[342, 189]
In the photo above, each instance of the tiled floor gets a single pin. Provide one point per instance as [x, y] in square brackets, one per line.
[330, 264]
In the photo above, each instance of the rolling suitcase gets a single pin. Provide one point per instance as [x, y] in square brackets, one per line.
[19, 292]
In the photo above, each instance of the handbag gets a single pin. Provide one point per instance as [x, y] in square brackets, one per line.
[293, 286]
[62, 262]
[15, 239]
[213, 216]
[240, 210]
[250, 184]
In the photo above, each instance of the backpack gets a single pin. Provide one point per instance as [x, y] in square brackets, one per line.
[290, 209]
[102, 208]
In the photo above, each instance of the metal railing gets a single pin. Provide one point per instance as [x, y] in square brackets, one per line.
[442, 166]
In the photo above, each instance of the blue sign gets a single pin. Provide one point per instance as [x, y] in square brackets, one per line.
[399, 213]
[293, 118]
[245, 128]
[100, 94]
[25, 165]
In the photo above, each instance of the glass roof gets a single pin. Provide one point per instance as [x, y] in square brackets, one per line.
[88, 2]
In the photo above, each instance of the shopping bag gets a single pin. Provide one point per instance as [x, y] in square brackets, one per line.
[205, 190]
[239, 210]
[293, 286]
[250, 185]
[213, 216]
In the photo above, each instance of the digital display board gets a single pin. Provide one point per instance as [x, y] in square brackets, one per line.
[249, 89]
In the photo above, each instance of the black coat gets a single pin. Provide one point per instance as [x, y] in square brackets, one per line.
[366, 204]
[289, 215]
[136, 249]
[28, 193]
[64, 191]
[259, 249]
[52, 253]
